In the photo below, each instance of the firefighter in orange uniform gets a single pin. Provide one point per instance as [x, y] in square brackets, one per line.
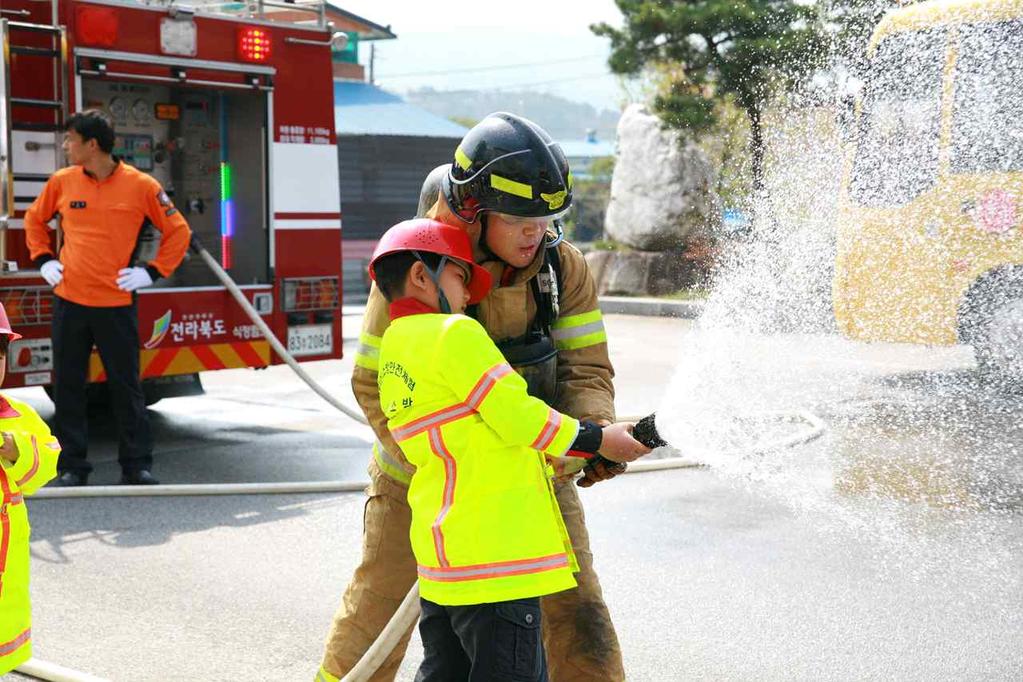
[103, 204]
[28, 459]
[508, 185]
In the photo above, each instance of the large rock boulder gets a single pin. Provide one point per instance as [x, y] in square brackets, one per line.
[661, 191]
[646, 273]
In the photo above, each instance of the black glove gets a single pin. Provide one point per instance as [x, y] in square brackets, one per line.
[600, 469]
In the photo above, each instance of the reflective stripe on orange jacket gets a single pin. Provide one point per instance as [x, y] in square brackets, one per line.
[36, 464]
[101, 221]
[485, 523]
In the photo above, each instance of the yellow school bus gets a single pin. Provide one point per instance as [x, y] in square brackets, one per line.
[930, 236]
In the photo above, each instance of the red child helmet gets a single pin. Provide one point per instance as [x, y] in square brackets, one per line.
[5, 325]
[433, 236]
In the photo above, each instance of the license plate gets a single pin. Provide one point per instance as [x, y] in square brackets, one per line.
[311, 339]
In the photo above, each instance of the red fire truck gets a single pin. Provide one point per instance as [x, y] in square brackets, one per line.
[230, 106]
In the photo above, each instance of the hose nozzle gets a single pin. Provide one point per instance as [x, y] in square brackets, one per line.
[645, 432]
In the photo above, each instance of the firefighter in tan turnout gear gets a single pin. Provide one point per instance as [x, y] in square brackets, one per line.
[509, 184]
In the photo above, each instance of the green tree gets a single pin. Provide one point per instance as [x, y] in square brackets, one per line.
[717, 49]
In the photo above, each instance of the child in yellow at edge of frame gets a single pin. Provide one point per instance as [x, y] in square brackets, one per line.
[28, 459]
[486, 531]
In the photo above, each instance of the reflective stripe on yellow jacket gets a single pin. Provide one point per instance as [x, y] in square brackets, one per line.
[585, 388]
[36, 464]
[485, 523]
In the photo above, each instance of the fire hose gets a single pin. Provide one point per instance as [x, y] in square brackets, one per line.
[408, 612]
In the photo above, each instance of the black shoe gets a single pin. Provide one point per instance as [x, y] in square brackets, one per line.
[141, 477]
[71, 479]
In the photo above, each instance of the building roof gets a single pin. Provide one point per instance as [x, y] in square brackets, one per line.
[366, 29]
[364, 109]
[587, 149]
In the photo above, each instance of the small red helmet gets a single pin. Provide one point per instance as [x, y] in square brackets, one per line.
[5, 325]
[433, 236]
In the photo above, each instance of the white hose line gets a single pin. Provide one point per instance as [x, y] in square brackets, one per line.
[43, 670]
[816, 430]
[404, 618]
[278, 347]
[189, 489]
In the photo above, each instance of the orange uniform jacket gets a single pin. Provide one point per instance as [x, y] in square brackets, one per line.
[101, 221]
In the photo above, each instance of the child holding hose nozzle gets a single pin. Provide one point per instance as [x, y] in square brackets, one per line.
[486, 532]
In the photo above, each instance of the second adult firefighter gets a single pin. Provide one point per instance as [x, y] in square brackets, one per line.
[508, 185]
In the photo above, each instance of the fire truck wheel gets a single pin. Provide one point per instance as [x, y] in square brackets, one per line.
[992, 322]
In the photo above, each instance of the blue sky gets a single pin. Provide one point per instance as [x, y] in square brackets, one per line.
[542, 45]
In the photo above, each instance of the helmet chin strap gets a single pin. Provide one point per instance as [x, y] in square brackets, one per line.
[442, 301]
[559, 234]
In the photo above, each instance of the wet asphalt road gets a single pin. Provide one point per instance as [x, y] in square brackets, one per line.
[891, 548]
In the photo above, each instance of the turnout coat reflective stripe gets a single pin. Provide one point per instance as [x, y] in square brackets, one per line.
[485, 523]
[37, 463]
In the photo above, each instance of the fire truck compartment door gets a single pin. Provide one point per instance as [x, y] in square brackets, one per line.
[208, 149]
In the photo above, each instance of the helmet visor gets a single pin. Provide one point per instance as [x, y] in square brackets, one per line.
[527, 220]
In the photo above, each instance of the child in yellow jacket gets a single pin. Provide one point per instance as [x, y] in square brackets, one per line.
[486, 531]
[28, 459]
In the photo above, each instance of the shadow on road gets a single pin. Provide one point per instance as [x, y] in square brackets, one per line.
[124, 523]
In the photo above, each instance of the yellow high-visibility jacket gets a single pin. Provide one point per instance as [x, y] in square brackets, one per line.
[37, 463]
[585, 374]
[485, 523]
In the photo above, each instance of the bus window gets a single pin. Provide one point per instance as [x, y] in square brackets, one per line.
[897, 154]
[987, 121]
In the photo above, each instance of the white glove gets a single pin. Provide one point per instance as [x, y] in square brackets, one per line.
[52, 271]
[130, 279]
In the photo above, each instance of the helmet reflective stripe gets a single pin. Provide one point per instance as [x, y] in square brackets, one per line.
[461, 159]
[569, 180]
[519, 189]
